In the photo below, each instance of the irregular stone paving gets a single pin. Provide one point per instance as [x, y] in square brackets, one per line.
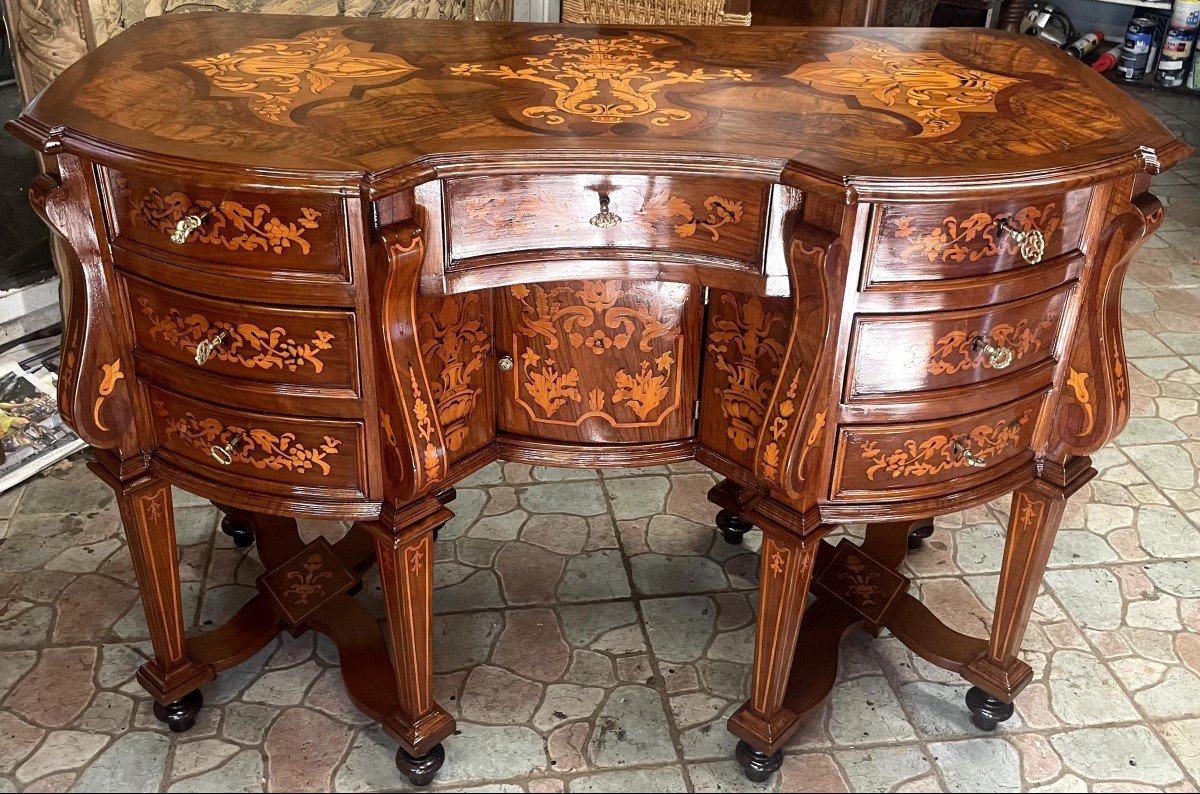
[593, 632]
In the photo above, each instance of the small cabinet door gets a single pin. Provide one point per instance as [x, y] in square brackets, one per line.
[609, 362]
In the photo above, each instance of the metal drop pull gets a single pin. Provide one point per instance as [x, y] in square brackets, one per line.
[962, 451]
[185, 227]
[505, 363]
[207, 347]
[224, 453]
[604, 219]
[1031, 243]
[998, 356]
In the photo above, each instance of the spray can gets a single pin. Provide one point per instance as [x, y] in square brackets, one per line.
[1085, 44]
[1105, 62]
[1178, 43]
[1135, 53]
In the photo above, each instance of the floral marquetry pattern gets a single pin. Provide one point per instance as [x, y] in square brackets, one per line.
[718, 213]
[557, 324]
[927, 88]
[956, 351]
[257, 447]
[975, 237]
[1079, 388]
[230, 224]
[936, 453]
[244, 343]
[745, 345]
[606, 80]
[110, 374]
[455, 341]
[306, 583]
[280, 74]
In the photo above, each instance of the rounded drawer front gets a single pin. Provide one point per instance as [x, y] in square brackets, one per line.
[258, 452]
[904, 354]
[714, 219]
[244, 233]
[923, 242]
[290, 347]
[904, 460]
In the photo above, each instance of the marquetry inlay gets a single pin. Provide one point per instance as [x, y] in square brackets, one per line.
[861, 582]
[257, 447]
[597, 317]
[1079, 388]
[927, 88]
[247, 344]
[956, 351]
[974, 237]
[307, 581]
[745, 347]
[934, 454]
[278, 75]
[423, 422]
[456, 337]
[605, 80]
[230, 224]
[110, 374]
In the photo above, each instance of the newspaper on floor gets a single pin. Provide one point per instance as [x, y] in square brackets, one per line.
[32, 433]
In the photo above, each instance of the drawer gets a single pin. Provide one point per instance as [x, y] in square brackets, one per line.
[965, 239]
[288, 347]
[242, 232]
[901, 460]
[713, 219]
[902, 354]
[260, 452]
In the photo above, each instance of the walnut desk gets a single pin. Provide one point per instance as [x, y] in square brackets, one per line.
[329, 268]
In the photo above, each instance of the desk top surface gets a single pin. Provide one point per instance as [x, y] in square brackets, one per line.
[383, 97]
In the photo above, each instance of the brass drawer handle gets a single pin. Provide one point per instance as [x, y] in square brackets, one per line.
[185, 227]
[961, 450]
[224, 453]
[207, 347]
[1031, 243]
[505, 363]
[604, 219]
[999, 357]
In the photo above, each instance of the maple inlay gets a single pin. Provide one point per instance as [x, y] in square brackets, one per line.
[277, 76]
[925, 87]
[605, 80]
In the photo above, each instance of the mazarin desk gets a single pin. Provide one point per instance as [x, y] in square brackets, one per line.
[329, 268]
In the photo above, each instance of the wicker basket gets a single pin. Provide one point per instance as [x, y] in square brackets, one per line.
[650, 12]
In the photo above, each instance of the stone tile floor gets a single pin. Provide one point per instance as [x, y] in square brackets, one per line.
[593, 631]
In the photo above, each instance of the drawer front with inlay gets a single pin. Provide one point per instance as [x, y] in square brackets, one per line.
[924, 242]
[715, 219]
[903, 459]
[296, 347]
[903, 354]
[260, 452]
[244, 232]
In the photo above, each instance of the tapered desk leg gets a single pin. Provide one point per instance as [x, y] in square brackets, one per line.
[999, 675]
[172, 677]
[764, 723]
[406, 574]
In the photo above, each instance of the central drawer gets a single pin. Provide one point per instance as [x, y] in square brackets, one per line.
[705, 218]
